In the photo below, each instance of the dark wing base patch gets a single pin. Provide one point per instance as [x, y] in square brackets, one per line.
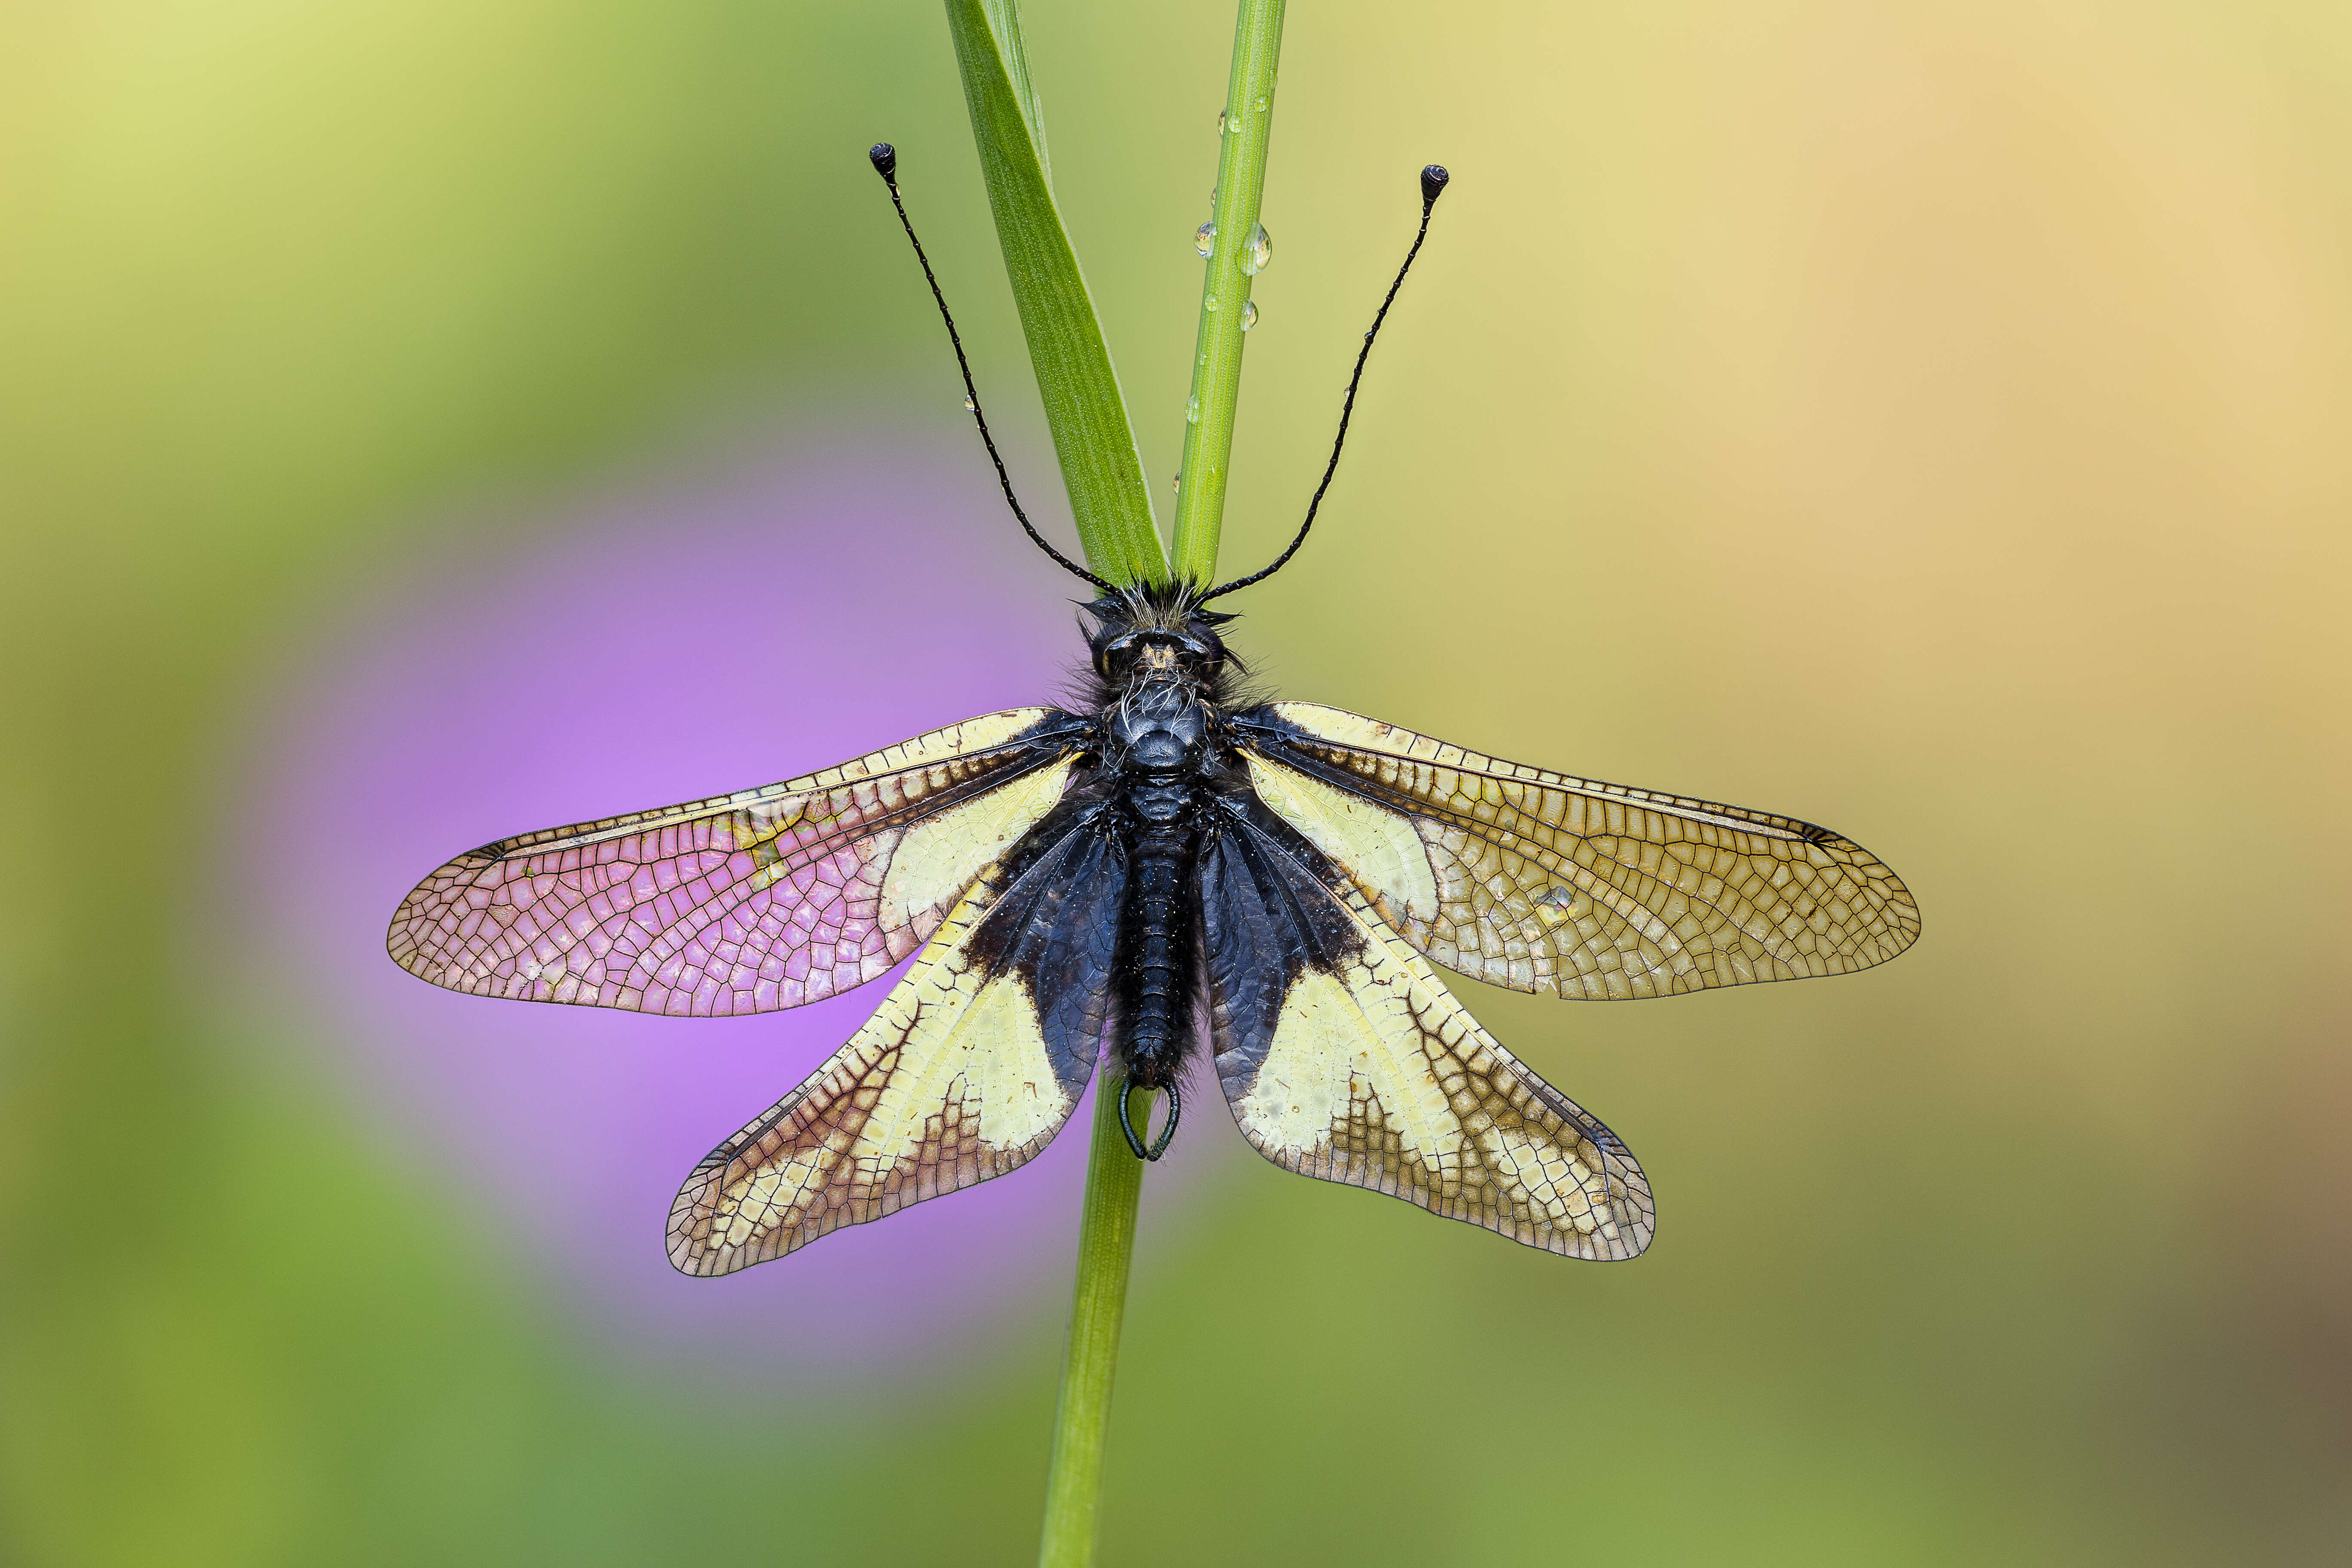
[1345, 1058]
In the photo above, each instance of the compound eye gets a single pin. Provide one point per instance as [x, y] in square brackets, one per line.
[1116, 657]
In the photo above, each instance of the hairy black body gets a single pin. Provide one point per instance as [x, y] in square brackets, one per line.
[1162, 757]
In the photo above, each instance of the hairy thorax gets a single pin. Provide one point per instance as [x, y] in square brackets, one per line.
[1159, 732]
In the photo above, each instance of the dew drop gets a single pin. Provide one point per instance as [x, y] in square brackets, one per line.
[970, 406]
[1221, 122]
[1557, 905]
[1210, 303]
[1261, 101]
[1258, 251]
[1249, 315]
[1205, 239]
[1192, 411]
[1176, 485]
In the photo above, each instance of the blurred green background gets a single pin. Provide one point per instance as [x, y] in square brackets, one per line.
[1929, 419]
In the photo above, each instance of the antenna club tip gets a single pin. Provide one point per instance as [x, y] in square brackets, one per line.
[1432, 182]
[885, 161]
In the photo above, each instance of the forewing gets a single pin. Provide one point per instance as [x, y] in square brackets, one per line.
[1344, 1058]
[969, 1067]
[747, 902]
[1560, 885]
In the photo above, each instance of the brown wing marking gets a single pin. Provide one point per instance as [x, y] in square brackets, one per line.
[746, 902]
[1370, 1074]
[1552, 884]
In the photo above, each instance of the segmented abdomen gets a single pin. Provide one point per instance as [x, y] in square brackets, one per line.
[1156, 970]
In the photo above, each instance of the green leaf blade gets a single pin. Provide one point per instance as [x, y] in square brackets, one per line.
[1092, 437]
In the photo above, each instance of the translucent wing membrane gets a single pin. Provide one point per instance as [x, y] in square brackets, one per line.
[746, 902]
[1559, 884]
[1344, 1058]
[970, 1066]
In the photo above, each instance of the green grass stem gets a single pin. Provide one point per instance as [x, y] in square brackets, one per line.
[1248, 130]
[1097, 1306]
[1095, 441]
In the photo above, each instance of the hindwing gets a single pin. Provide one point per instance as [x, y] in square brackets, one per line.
[1547, 883]
[746, 902]
[1344, 1058]
[970, 1066]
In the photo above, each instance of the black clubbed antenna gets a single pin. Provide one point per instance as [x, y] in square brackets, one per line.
[1433, 185]
[885, 158]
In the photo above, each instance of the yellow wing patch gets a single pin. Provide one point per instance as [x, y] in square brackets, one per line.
[1381, 849]
[947, 1084]
[1548, 883]
[937, 857]
[1377, 1077]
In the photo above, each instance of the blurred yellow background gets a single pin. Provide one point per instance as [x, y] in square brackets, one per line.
[1929, 420]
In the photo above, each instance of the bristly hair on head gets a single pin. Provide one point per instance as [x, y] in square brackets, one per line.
[1171, 608]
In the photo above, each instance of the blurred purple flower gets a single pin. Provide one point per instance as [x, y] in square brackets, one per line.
[632, 652]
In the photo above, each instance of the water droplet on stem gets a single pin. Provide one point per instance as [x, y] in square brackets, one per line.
[1249, 315]
[1258, 251]
[1205, 239]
